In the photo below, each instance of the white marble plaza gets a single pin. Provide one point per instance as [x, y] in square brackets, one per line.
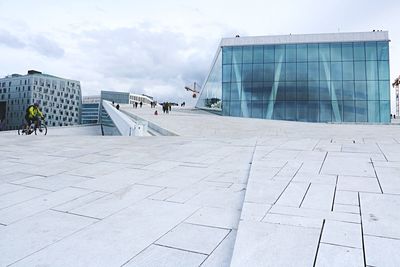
[224, 192]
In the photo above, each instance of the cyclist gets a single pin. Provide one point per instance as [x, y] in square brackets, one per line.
[32, 115]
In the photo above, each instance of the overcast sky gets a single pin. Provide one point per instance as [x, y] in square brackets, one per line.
[157, 47]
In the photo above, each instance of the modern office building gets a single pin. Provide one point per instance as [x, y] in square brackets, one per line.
[339, 77]
[90, 109]
[59, 98]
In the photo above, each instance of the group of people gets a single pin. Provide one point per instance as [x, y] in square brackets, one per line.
[166, 107]
[135, 104]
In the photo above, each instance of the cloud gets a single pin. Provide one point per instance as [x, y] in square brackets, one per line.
[10, 40]
[46, 46]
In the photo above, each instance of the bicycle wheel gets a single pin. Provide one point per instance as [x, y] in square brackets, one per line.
[41, 130]
[22, 130]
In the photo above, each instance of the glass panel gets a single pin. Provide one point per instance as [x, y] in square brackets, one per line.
[258, 52]
[359, 70]
[383, 50]
[226, 91]
[291, 110]
[267, 91]
[372, 70]
[372, 90]
[348, 90]
[258, 91]
[324, 52]
[336, 52]
[225, 108]
[337, 111]
[234, 108]
[301, 53]
[279, 110]
[246, 91]
[325, 111]
[302, 91]
[384, 90]
[359, 51]
[370, 51]
[246, 109]
[280, 69]
[290, 71]
[247, 72]
[373, 111]
[226, 73]
[349, 111]
[312, 54]
[236, 74]
[336, 71]
[237, 55]
[324, 71]
[258, 72]
[313, 71]
[248, 54]
[290, 89]
[257, 109]
[301, 71]
[347, 52]
[302, 110]
[383, 67]
[269, 54]
[290, 53]
[336, 87]
[361, 90]
[227, 55]
[313, 90]
[348, 71]
[324, 90]
[269, 72]
[280, 93]
[279, 53]
[385, 111]
[361, 111]
[236, 89]
[313, 111]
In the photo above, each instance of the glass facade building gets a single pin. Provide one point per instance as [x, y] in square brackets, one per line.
[341, 77]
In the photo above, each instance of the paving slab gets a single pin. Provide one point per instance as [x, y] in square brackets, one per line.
[331, 255]
[381, 251]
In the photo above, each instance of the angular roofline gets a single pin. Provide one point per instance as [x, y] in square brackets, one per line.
[307, 38]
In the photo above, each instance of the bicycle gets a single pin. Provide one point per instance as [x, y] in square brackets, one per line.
[40, 130]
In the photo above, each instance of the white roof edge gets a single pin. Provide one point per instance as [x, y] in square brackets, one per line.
[307, 38]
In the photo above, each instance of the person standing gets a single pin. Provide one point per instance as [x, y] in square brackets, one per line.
[117, 106]
[141, 104]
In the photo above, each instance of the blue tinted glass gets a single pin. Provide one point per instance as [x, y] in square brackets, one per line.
[301, 53]
[302, 91]
[279, 53]
[246, 109]
[267, 90]
[268, 109]
[258, 91]
[324, 52]
[226, 55]
[385, 111]
[348, 71]
[280, 92]
[372, 90]
[383, 67]
[361, 111]
[360, 90]
[269, 54]
[280, 71]
[324, 90]
[258, 54]
[359, 70]
[290, 71]
[336, 52]
[325, 114]
[257, 109]
[348, 90]
[237, 55]
[359, 51]
[324, 71]
[337, 111]
[290, 91]
[247, 72]
[236, 89]
[290, 53]
[226, 73]
[235, 108]
[269, 72]
[313, 71]
[226, 91]
[313, 90]
[236, 74]
[349, 111]
[372, 70]
[313, 111]
[347, 52]
[246, 91]
[312, 53]
[258, 72]
[247, 54]
[291, 110]
[301, 71]
[383, 50]
[279, 110]
[370, 51]
[336, 71]
[373, 111]
[384, 90]
[337, 90]
[302, 110]
[225, 108]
